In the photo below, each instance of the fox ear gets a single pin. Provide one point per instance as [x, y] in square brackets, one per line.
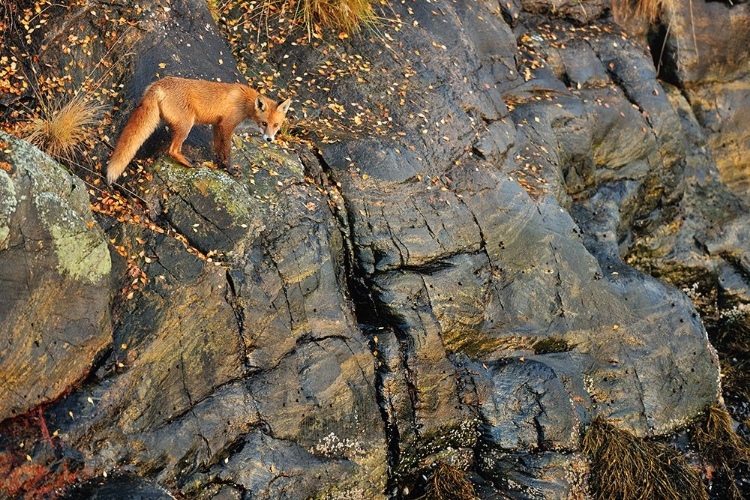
[284, 106]
[260, 104]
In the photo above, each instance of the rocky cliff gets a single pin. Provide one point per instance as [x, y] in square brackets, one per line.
[472, 240]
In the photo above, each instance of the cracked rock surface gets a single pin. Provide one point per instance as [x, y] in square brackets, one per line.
[54, 280]
[473, 285]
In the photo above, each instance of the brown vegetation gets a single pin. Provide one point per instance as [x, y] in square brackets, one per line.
[344, 15]
[26, 477]
[650, 10]
[624, 466]
[448, 482]
[60, 132]
[720, 446]
[731, 337]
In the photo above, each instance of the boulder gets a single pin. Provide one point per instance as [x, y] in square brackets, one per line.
[54, 280]
[710, 65]
[255, 347]
[474, 243]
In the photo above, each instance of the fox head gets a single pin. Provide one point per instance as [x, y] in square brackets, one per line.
[270, 115]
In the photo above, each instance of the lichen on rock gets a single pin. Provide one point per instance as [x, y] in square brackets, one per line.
[55, 280]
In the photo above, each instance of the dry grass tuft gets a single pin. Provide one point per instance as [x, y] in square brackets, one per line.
[448, 482]
[624, 466]
[60, 132]
[732, 340]
[345, 15]
[721, 447]
[649, 10]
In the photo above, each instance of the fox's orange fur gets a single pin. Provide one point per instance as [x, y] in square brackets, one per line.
[182, 103]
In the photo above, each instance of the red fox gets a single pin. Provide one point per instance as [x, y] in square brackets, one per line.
[181, 103]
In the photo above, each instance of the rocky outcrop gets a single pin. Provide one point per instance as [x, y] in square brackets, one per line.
[467, 260]
[709, 65]
[54, 277]
[514, 312]
[257, 355]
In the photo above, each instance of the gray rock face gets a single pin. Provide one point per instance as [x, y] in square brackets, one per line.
[54, 280]
[464, 282]
[710, 65]
[468, 264]
[121, 486]
[215, 366]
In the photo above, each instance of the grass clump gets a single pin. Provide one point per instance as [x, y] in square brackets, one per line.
[650, 10]
[626, 467]
[61, 131]
[448, 482]
[731, 337]
[344, 15]
[721, 447]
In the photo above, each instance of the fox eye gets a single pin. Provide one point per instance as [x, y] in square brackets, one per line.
[276, 125]
[265, 124]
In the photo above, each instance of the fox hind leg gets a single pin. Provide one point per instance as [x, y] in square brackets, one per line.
[180, 132]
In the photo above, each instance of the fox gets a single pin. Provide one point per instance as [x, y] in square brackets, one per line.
[183, 102]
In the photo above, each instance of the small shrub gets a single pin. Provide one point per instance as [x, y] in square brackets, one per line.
[60, 132]
[624, 466]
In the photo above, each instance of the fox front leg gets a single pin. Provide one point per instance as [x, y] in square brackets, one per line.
[223, 147]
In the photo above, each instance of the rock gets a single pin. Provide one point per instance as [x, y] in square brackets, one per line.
[118, 486]
[294, 473]
[543, 475]
[472, 258]
[230, 330]
[55, 280]
[468, 264]
[262, 347]
[528, 405]
[710, 64]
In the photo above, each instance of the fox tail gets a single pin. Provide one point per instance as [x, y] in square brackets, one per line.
[142, 122]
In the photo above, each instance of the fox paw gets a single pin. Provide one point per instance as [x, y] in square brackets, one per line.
[234, 171]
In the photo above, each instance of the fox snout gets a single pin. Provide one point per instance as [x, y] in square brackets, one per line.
[270, 129]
